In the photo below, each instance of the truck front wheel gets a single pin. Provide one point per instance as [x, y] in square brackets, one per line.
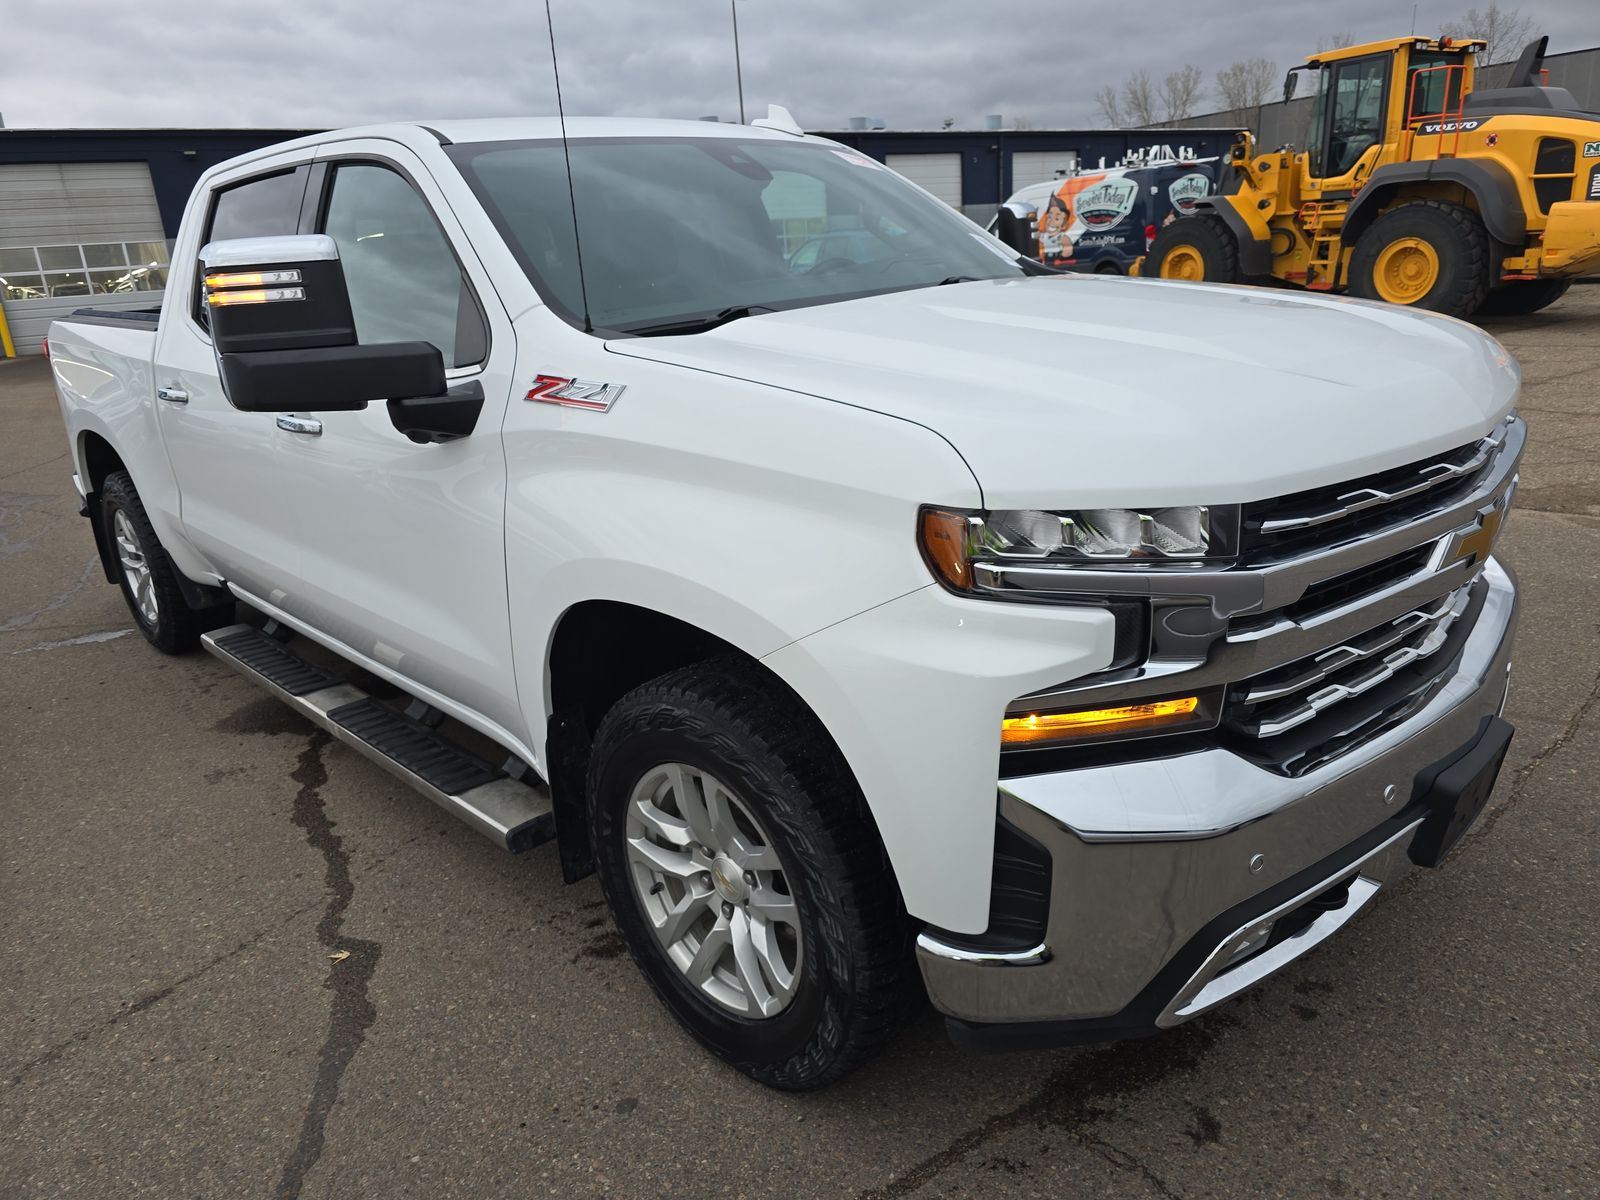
[749, 884]
[148, 579]
[1197, 249]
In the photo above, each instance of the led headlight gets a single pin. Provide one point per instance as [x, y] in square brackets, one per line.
[952, 541]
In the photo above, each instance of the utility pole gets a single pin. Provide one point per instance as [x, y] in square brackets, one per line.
[738, 70]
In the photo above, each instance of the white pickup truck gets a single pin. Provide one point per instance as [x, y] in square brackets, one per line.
[1099, 646]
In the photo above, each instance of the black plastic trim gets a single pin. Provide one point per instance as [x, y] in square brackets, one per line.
[1499, 203]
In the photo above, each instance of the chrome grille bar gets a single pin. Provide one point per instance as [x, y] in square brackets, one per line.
[1364, 498]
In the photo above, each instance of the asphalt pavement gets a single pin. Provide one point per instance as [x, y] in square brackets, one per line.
[182, 860]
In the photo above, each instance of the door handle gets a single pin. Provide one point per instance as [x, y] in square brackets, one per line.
[308, 425]
[172, 394]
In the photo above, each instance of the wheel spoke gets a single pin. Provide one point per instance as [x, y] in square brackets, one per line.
[680, 918]
[686, 784]
[764, 939]
[769, 905]
[747, 962]
[677, 863]
[663, 825]
[754, 858]
[710, 951]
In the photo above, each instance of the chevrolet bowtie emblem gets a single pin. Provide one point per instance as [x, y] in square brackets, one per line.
[1476, 541]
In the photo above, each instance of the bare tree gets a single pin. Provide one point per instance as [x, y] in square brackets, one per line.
[1247, 83]
[1335, 41]
[1139, 98]
[1507, 30]
[1180, 91]
[1110, 106]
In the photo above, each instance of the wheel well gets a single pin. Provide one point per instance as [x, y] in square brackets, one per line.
[98, 460]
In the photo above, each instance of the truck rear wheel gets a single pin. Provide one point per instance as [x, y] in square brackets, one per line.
[148, 579]
[748, 881]
[1194, 249]
[1424, 254]
[1527, 296]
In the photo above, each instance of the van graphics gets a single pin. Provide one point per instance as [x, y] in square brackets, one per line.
[1432, 127]
[1187, 189]
[1103, 205]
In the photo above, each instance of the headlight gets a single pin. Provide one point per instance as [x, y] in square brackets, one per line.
[952, 541]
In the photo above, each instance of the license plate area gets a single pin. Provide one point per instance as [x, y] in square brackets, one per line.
[1455, 790]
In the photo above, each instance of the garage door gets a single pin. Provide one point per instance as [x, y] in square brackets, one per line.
[76, 234]
[1040, 166]
[939, 173]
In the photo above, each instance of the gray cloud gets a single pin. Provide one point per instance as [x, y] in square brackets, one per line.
[283, 65]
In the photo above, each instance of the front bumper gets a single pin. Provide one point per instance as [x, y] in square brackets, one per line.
[1141, 919]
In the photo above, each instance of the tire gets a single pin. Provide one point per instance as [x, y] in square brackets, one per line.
[1424, 254]
[1527, 296]
[788, 799]
[1194, 249]
[1109, 268]
[146, 575]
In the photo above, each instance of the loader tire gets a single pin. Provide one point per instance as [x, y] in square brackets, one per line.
[1424, 254]
[1520, 299]
[1194, 249]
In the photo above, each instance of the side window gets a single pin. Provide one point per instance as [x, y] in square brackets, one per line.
[268, 206]
[1357, 123]
[405, 284]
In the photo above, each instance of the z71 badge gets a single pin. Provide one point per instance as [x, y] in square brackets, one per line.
[575, 393]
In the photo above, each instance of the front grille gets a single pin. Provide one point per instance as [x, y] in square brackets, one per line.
[1285, 526]
[1297, 716]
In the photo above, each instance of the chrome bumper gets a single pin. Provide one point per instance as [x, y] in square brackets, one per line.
[1147, 855]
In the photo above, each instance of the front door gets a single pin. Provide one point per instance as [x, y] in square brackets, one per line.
[402, 553]
[228, 463]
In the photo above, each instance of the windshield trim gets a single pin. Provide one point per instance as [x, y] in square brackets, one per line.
[461, 155]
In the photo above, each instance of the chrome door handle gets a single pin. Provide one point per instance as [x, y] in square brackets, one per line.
[300, 424]
[172, 394]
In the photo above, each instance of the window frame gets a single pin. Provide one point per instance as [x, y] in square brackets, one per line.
[196, 305]
[314, 217]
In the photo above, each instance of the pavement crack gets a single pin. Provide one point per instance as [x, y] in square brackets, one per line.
[147, 1001]
[1072, 1099]
[352, 1012]
[1124, 1161]
[1524, 776]
[28, 618]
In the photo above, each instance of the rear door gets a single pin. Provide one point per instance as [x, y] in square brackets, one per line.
[401, 545]
[227, 462]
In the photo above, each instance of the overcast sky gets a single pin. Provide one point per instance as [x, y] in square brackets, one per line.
[297, 64]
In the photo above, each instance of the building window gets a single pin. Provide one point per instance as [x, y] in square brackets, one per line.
[94, 269]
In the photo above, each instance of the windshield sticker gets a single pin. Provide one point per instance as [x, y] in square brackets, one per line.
[858, 160]
[1187, 189]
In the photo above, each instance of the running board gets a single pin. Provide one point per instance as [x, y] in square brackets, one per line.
[507, 810]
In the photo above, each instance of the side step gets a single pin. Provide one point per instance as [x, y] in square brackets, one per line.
[511, 812]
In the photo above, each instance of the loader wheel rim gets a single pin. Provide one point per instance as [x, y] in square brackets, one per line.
[1184, 262]
[1406, 270]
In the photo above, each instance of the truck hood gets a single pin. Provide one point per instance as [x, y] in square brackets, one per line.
[1095, 390]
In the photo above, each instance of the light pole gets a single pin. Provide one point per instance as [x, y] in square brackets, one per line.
[738, 71]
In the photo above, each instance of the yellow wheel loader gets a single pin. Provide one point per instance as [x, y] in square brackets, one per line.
[1415, 188]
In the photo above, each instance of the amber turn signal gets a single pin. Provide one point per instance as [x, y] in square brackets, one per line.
[943, 537]
[1097, 722]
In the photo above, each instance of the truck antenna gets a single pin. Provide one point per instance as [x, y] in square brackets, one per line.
[566, 153]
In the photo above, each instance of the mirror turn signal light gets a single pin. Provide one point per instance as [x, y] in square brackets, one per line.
[252, 279]
[254, 296]
[1035, 728]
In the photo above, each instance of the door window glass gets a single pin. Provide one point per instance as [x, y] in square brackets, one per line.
[405, 284]
[1356, 124]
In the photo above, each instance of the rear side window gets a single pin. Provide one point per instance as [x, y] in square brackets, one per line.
[268, 206]
[405, 283]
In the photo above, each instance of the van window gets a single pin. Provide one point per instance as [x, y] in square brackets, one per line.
[405, 284]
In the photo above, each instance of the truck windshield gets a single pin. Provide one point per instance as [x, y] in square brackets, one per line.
[682, 234]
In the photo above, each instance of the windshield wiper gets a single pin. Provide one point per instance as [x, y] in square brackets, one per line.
[699, 324]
